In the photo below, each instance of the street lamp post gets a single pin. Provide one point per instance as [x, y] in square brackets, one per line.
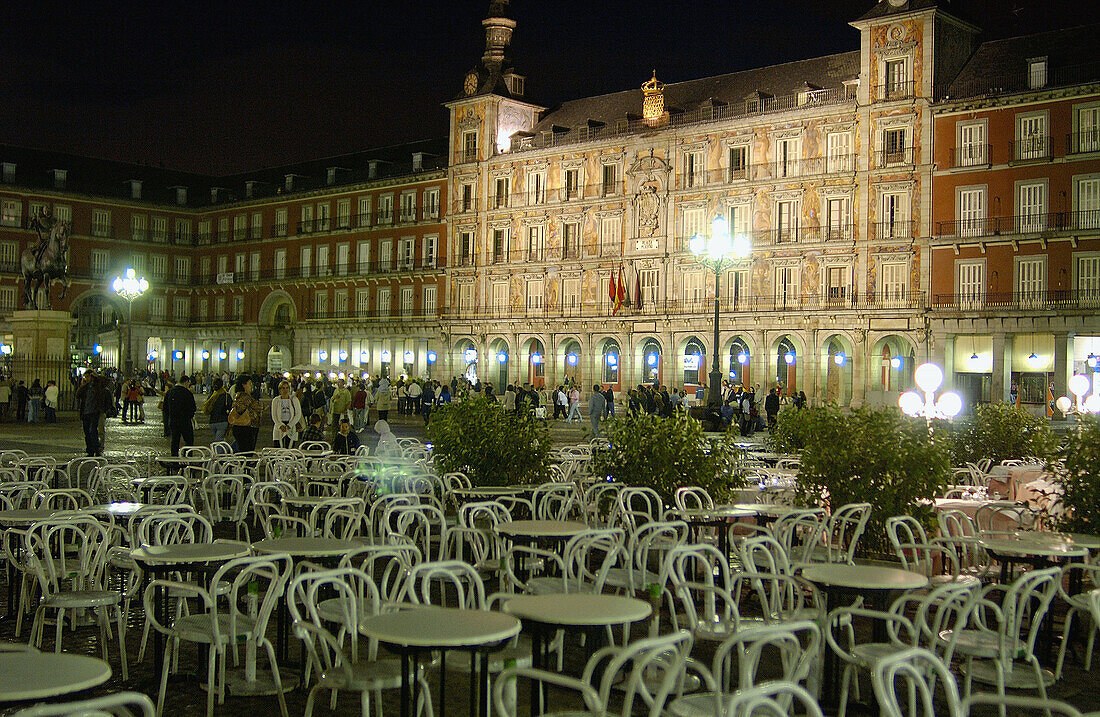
[717, 252]
[130, 287]
[1079, 386]
[929, 377]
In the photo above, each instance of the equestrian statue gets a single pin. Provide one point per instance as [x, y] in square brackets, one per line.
[46, 261]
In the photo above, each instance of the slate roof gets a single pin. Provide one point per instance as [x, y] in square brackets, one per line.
[1000, 66]
[827, 72]
[107, 178]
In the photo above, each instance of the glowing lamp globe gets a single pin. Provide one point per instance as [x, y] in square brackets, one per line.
[895, 363]
[949, 404]
[651, 360]
[743, 358]
[1092, 404]
[839, 359]
[696, 245]
[1034, 361]
[363, 357]
[205, 354]
[343, 355]
[323, 355]
[240, 354]
[1079, 384]
[571, 359]
[432, 357]
[612, 360]
[742, 246]
[470, 355]
[408, 357]
[928, 376]
[502, 357]
[536, 358]
[789, 357]
[910, 403]
[1093, 361]
[385, 355]
[720, 245]
[222, 355]
[97, 349]
[720, 227]
[1063, 404]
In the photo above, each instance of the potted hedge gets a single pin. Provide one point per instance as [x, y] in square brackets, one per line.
[1001, 431]
[491, 447]
[665, 454]
[871, 456]
[1078, 475]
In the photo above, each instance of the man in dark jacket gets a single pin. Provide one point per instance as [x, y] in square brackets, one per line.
[21, 397]
[90, 400]
[179, 404]
[771, 407]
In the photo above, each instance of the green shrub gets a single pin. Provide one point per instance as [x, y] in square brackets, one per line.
[1079, 476]
[1001, 431]
[872, 456]
[791, 431]
[665, 454]
[476, 437]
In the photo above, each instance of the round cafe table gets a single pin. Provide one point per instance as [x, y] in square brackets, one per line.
[544, 615]
[32, 675]
[541, 529]
[717, 517]
[876, 584]
[419, 630]
[120, 510]
[160, 560]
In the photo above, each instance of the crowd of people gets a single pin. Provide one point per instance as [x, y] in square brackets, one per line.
[312, 407]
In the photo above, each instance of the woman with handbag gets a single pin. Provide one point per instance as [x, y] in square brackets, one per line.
[245, 416]
[286, 412]
[217, 406]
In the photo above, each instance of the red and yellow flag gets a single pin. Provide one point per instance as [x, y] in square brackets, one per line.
[620, 292]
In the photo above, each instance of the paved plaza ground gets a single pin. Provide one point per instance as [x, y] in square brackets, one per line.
[185, 697]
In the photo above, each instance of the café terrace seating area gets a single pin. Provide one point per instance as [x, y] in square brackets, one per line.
[299, 581]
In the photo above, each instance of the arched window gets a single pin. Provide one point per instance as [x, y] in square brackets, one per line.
[651, 358]
[693, 361]
[785, 358]
[611, 358]
[739, 361]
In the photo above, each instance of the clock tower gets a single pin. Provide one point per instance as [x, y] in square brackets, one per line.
[491, 105]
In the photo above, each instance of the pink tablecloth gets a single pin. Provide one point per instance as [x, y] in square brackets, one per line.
[1006, 480]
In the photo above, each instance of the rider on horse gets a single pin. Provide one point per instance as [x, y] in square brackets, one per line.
[42, 223]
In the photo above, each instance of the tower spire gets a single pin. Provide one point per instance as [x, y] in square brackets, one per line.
[498, 33]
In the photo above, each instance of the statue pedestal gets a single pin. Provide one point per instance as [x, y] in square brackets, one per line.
[41, 336]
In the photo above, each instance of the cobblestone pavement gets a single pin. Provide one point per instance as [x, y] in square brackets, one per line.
[185, 697]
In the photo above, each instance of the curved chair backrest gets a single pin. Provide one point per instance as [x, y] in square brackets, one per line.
[693, 497]
[799, 532]
[630, 669]
[797, 645]
[163, 529]
[444, 577]
[765, 554]
[845, 528]
[120, 704]
[70, 550]
[905, 685]
[61, 499]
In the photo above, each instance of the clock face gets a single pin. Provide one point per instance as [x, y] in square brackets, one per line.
[470, 86]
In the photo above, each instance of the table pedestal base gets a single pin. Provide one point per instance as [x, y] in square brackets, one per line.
[238, 685]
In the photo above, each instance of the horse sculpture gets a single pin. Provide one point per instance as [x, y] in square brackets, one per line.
[45, 262]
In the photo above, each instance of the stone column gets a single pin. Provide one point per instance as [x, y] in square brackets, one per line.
[1063, 367]
[861, 361]
[1002, 367]
[947, 353]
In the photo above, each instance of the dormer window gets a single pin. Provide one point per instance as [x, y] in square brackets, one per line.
[60, 176]
[214, 195]
[181, 196]
[515, 84]
[331, 177]
[135, 189]
[9, 172]
[1037, 72]
[418, 161]
[289, 182]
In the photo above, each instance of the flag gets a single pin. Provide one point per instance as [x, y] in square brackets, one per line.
[620, 293]
[637, 290]
[612, 291]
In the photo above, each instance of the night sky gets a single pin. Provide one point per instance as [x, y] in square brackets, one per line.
[232, 86]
